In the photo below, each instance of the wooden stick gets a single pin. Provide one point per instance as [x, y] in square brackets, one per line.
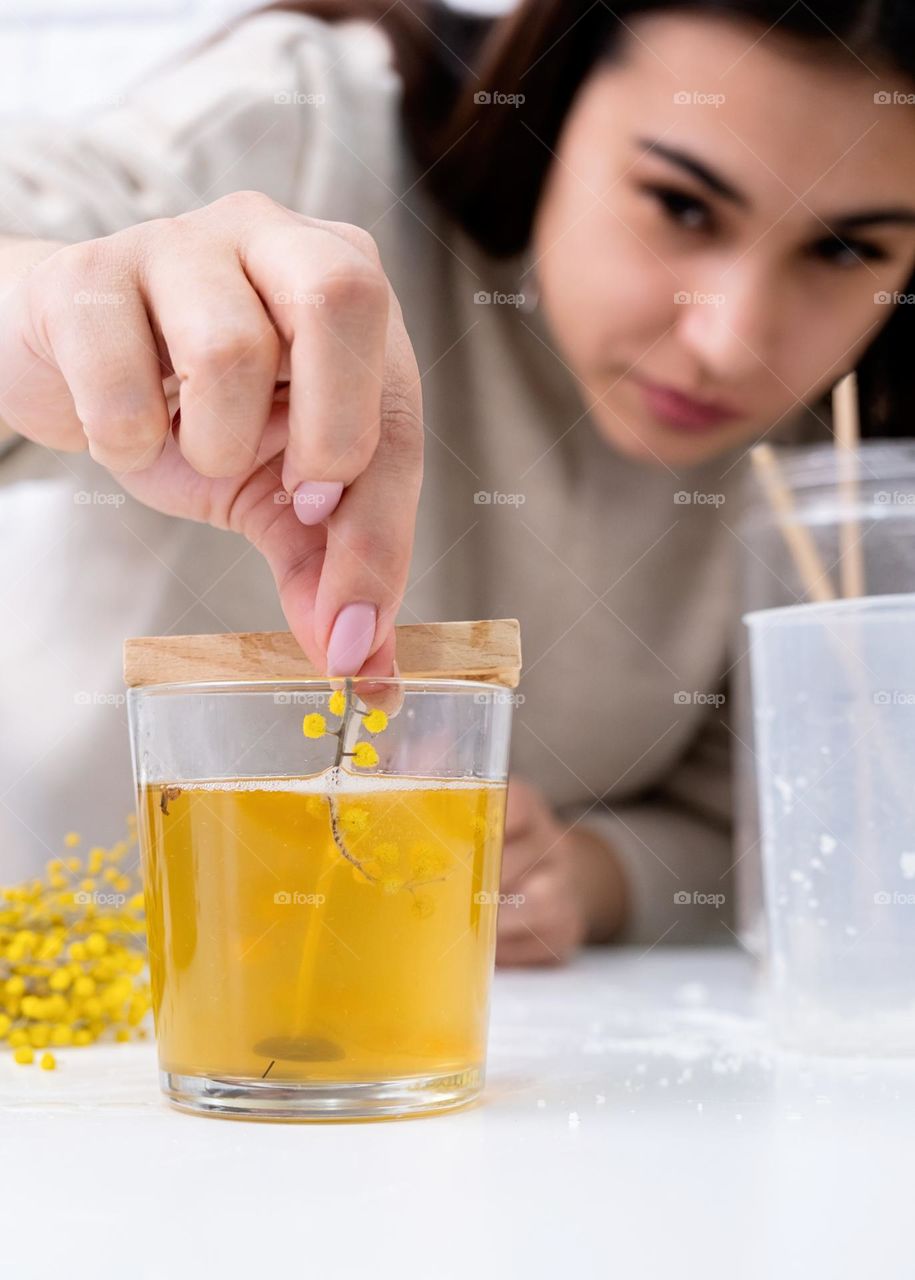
[813, 573]
[488, 651]
[847, 434]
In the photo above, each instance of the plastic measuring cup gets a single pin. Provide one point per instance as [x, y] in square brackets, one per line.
[834, 713]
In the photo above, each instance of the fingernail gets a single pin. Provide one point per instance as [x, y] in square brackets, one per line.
[315, 500]
[351, 639]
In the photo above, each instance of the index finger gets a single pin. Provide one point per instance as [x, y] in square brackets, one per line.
[329, 301]
[370, 534]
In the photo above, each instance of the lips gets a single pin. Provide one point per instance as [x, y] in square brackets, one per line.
[683, 412]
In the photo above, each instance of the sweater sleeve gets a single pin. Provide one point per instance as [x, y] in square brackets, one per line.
[675, 847]
[233, 114]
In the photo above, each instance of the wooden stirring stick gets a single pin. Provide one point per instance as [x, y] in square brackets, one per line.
[811, 570]
[489, 651]
[847, 430]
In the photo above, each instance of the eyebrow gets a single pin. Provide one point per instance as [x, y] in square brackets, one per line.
[874, 218]
[698, 169]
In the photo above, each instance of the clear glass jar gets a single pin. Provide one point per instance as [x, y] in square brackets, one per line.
[883, 510]
[322, 882]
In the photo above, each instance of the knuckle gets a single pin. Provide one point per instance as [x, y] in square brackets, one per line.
[119, 429]
[537, 893]
[84, 258]
[305, 567]
[212, 348]
[246, 202]
[364, 545]
[355, 287]
[64, 278]
[360, 239]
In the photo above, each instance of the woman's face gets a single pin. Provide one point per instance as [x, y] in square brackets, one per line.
[720, 230]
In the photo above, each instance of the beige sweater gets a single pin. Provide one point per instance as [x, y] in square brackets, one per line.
[622, 591]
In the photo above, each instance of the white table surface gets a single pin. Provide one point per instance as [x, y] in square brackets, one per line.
[636, 1123]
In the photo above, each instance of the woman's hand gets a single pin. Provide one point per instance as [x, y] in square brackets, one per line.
[561, 886]
[223, 304]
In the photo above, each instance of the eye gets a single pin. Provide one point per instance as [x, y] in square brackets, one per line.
[847, 253]
[681, 208]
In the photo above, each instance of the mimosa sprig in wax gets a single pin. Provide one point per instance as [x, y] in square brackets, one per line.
[340, 704]
[363, 755]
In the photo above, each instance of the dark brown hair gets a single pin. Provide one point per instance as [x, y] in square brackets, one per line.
[486, 157]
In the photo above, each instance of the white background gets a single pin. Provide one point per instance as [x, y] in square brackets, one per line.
[61, 56]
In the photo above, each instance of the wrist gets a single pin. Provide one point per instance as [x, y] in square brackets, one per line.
[19, 255]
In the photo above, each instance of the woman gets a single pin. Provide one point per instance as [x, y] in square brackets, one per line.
[615, 248]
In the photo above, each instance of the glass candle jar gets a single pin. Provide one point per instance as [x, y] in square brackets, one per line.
[322, 882]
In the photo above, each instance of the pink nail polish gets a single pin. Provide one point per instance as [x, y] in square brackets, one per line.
[315, 500]
[351, 638]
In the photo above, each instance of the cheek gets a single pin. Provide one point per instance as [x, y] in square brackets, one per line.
[606, 296]
[815, 346]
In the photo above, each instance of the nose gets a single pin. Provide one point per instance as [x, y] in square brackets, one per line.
[729, 326]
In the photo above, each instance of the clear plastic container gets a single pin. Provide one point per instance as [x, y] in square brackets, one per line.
[321, 891]
[834, 709]
[884, 510]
